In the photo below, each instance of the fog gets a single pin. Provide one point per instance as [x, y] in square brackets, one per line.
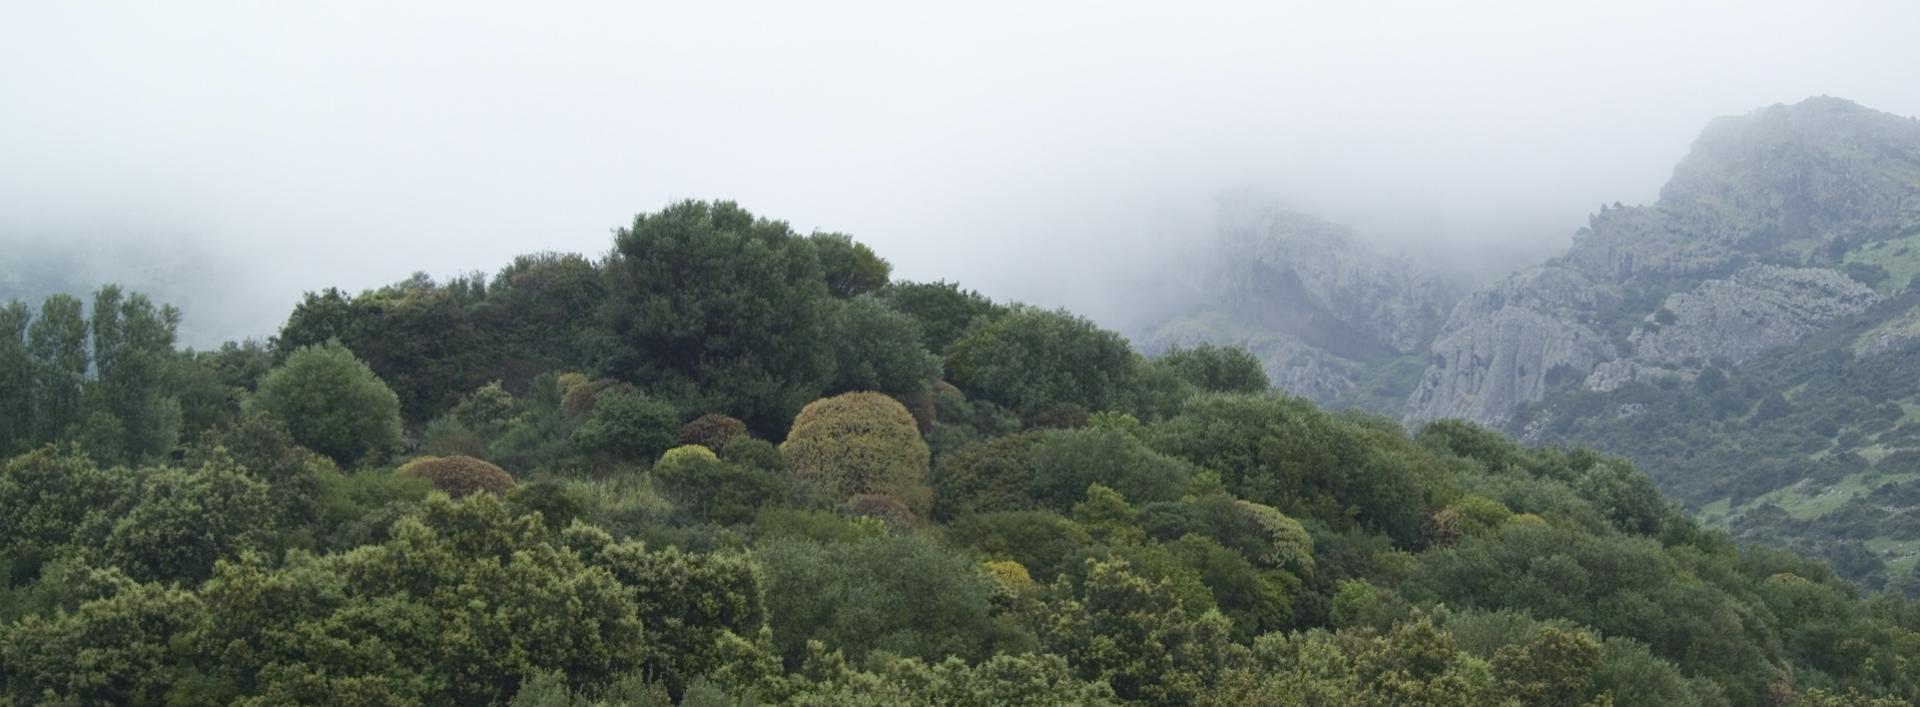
[1040, 152]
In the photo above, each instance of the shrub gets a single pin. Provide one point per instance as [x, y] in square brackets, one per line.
[707, 488]
[757, 453]
[459, 476]
[982, 477]
[859, 443]
[712, 430]
[627, 425]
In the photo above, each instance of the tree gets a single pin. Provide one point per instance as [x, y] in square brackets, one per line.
[1134, 634]
[851, 268]
[133, 362]
[1066, 462]
[877, 348]
[57, 344]
[942, 308]
[331, 403]
[722, 309]
[859, 443]
[903, 595]
[115, 649]
[712, 430]
[17, 431]
[1032, 359]
[983, 477]
[1217, 369]
[183, 522]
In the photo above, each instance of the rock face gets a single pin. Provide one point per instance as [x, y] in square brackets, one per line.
[1510, 343]
[1743, 252]
[1756, 309]
[1318, 309]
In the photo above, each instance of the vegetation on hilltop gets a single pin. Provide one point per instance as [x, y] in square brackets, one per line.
[668, 477]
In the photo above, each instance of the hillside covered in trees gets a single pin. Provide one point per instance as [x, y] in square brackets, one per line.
[731, 464]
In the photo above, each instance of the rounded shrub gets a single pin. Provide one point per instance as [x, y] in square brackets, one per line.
[459, 476]
[859, 443]
[712, 430]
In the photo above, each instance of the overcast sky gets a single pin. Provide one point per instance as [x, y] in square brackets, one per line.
[304, 145]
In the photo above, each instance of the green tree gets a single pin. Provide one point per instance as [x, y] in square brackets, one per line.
[877, 348]
[1134, 634]
[17, 431]
[331, 403]
[1217, 369]
[1033, 359]
[57, 344]
[119, 648]
[985, 476]
[184, 521]
[1066, 462]
[903, 595]
[943, 309]
[133, 362]
[851, 268]
[722, 309]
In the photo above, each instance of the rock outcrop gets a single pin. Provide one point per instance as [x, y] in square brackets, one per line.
[1317, 308]
[1741, 253]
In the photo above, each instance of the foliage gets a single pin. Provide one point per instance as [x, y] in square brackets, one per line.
[943, 309]
[1216, 369]
[625, 425]
[858, 443]
[712, 430]
[1065, 462]
[331, 403]
[1032, 359]
[878, 348]
[982, 477]
[459, 476]
[876, 595]
[716, 307]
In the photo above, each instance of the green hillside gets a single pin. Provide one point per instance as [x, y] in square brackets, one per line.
[731, 464]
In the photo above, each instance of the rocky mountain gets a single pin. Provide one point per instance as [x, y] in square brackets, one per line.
[1777, 224]
[1331, 319]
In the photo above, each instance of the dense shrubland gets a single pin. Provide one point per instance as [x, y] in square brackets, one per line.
[732, 464]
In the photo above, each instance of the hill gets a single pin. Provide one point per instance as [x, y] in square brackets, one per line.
[733, 464]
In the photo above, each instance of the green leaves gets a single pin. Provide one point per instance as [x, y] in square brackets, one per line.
[331, 403]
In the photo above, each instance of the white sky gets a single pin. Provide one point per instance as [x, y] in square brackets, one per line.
[1032, 150]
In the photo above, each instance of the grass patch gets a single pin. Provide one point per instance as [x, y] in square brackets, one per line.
[1900, 257]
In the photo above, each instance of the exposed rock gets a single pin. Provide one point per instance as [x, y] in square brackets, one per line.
[1797, 186]
[1760, 307]
[1316, 307]
[1508, 344]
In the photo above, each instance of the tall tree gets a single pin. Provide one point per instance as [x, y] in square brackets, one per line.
[716, 307]
[16, 379]
[57, 343]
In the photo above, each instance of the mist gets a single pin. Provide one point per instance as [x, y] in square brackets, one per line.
[1053, 154]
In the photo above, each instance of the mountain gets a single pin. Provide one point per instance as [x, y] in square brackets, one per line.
[1748, 339]
[1778, 224]
[1330, 319]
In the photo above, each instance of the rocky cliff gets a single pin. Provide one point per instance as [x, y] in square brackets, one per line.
[1774, 226]
[1323, 312]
